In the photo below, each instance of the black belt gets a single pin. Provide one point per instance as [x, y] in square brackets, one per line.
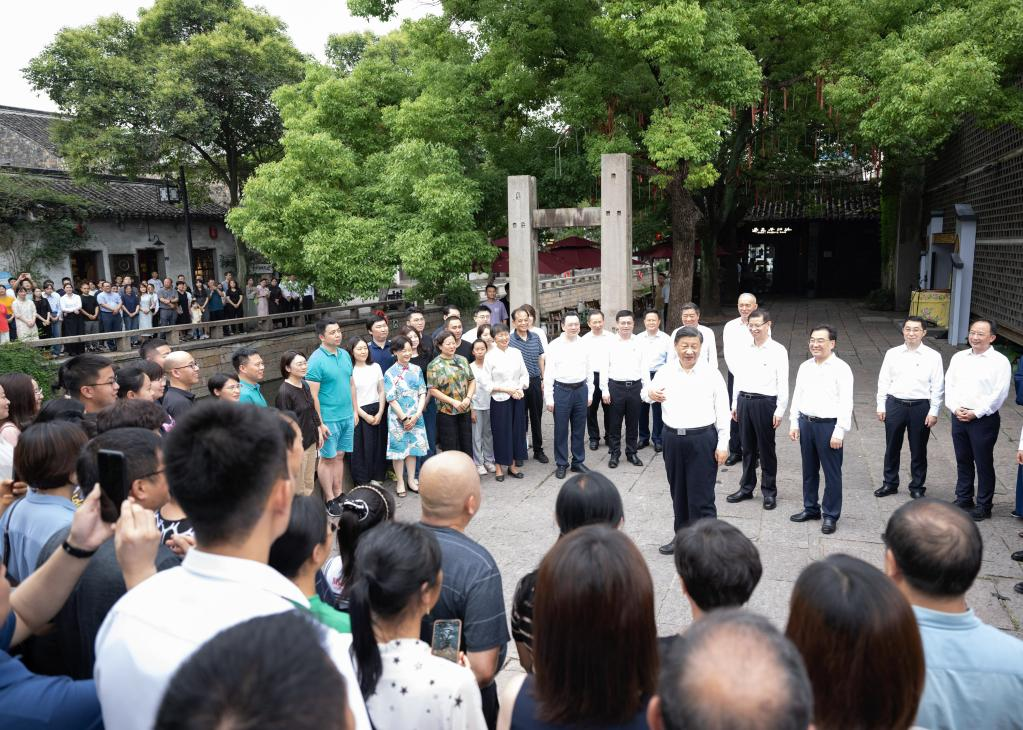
[626, 383]
[757, 396]
[687, 431]
[908, 402]
[815, 419]
[571, 386]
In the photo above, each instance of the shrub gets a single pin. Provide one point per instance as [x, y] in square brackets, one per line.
[17, 357]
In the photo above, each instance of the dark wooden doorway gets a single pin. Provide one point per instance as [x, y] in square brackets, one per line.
[84, 266]
[123, 264]
[150, 260]
[205, 264]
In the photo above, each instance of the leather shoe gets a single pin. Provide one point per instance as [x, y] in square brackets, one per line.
[966, 506]
[634, 460]
[916, 492]
[805, 516]
[1018, 588]
[769, 502]
[828, 526]
[516, 475]
[642, 444]
[541, 457]
[979, 514]
[658, 448]
[669, 549]
[561, 471]
[612, 463]
[886, 490]
[739, 496]
[733, 459]
[1018, 556]
[580, 468]
[594, 444]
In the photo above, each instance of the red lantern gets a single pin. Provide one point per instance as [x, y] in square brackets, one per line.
[214, 232]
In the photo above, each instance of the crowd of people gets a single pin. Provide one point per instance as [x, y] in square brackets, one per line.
[29, 312]
[208, 596]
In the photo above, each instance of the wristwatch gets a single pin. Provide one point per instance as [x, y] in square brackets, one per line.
[77, 552]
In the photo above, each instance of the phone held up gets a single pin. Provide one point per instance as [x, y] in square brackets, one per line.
[113, 483]
[447, 638]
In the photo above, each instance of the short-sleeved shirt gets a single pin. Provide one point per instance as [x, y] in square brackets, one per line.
[334, 374]
[89, 304]
[171, 294]
[381, 355]
[498, 313]
[330, 616]
[300, 402]
[471, 592]
[251, 394]
[531, 349]
[110, 299]
[177, 402]
[450, 377]
[29, 523]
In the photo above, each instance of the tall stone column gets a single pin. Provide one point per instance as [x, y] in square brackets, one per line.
[522, 242]
[615, 234]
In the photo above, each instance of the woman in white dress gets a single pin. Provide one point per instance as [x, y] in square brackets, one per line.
[6, 447]
[397, 581]
[25, 316]
[148, 304]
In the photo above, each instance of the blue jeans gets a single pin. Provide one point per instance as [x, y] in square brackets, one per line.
[132, 323]
[55, 330]
[110, 322]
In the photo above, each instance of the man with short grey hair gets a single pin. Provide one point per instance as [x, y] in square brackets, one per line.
[699, 689]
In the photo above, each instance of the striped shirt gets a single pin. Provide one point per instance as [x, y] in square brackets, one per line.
[531, 349]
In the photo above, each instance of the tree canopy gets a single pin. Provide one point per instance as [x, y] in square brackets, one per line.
[38, 225]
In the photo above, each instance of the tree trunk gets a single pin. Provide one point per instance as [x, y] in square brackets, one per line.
[241, 250]
[684, 215]
[710, 289]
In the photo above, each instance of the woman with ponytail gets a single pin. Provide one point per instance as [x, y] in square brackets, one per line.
[362, 509]
[397, 581]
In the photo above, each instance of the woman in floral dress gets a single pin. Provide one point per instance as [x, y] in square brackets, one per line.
[405, 391]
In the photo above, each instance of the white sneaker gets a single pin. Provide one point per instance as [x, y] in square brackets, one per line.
[491, 468]
[481, 470]
[375, 483]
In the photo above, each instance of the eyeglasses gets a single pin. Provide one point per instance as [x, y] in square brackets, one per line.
[819, 341]
[151, 474]
[236, 386]
[194, 365]
[112, 381]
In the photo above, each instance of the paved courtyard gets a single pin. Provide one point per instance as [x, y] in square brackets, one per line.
[516, 521]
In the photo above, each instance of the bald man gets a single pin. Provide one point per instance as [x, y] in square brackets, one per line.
[182, 373]
[700, 685]
[737, 340]
[449, 491]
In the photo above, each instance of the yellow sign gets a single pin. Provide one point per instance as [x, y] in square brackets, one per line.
[945, 238]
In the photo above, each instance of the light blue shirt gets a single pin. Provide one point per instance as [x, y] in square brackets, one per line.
[33, 520]
[251, 394]
[111, 298]
[974, 673]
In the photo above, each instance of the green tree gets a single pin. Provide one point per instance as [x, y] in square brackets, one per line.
[188, 82]
[38, 225]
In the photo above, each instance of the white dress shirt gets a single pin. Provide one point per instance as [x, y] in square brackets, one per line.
[566, 362]
[708, 349]
[735, 338]
[912, 375]
[504, 369]
[763, 370]
[824, 391]
[158, 624]
[978, 382]
[657, 348]
[693, 398]
[596, 349]
[624, 362]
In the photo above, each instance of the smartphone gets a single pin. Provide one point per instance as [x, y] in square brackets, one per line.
[113, 483]
[447, 638]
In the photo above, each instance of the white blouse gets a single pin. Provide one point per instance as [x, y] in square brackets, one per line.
[422, 691]
[481, 397]
[503, 369]
[367, 378]
[70, 304]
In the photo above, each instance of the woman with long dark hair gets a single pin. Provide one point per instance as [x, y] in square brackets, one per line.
[233, 306]
[397, 581]
[368, 378]
[362, 509]
[860, 643]
[594, 638]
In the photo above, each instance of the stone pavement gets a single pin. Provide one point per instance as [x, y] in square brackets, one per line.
[516, 521]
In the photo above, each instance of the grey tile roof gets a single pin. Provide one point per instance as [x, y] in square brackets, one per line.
[30, 123]
[860, 202]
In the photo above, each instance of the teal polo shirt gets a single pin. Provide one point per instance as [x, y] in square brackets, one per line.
[251, 394]
[334, 374]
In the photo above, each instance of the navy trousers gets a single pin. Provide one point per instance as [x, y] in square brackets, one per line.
[815, 446]
[902, 416]
[569, 412]
[757, 433]
[692, 471]
[974, 444]
[734, 439]
[508, 425]
[644, 421]
[110, 322]
[591, 414]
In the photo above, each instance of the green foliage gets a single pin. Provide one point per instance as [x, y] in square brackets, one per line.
[38, 225]
[17, 357]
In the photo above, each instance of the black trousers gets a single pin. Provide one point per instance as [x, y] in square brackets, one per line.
[534, 409]
[508, 426]
[974, 444]
[625, 404]
[645, 409]
[454, 432]
[692, 470]
[815, 447]
[902, 416]
[591, 413]
[734, 440]
[757, 434]
[365, 448]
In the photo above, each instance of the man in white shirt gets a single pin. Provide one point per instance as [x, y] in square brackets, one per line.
[568, 390]
[227, 466]
[976, 385]
[657, 348]
[910, 387]
[691, 318]
[821, 415]
[760, 396]
[694, 405]
[735, 339]
[623, 378]
[597, 341]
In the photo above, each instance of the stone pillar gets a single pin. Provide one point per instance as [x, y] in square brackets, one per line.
[522, 242]
[615, 234]
[962, 275]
